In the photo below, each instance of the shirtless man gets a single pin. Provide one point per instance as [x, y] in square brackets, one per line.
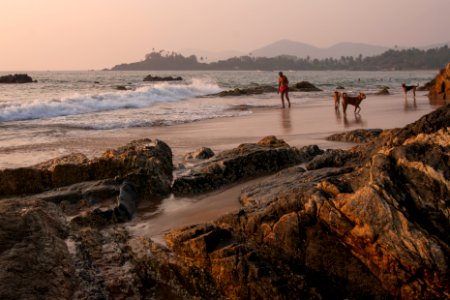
[283, 88]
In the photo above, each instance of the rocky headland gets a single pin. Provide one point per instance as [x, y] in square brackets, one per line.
[370, 222]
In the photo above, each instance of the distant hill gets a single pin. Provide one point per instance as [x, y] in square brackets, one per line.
[404, 59]
[288, 47]
[434, 46]
[303, 50]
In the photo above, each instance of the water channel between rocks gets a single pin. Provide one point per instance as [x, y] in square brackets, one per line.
[175, 212]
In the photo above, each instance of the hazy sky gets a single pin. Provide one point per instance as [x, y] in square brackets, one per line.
[95, 34]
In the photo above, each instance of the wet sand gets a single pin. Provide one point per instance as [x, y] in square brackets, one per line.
[153, 222]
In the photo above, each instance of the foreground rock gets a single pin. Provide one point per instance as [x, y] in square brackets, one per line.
[368, 223]
[16, 78]
[440, 85]
[373, 228]
[34, 258]
[244, 162]
[356, 136]
[147, 163]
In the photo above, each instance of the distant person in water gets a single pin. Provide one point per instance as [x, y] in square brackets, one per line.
[283, 89]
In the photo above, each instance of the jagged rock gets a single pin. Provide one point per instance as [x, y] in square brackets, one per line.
[340, 87]
[158, 78]
[34, 259]
[146, 163]
[333, 158]
[244, 162]
[440, 86]
[22, 181]
[356, 136]
[67, 170]
[374, 227]
[305, 86]
[16, 78]
[202, 153]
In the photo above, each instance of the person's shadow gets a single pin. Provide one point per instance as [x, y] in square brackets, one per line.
[286, 120]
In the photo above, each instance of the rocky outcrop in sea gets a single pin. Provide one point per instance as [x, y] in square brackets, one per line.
[303, 86]
[162, 78]
[16, 78]
[371, 222]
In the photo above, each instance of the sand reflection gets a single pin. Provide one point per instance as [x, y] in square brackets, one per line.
[356, 122]
[286, 120]
[410, 105]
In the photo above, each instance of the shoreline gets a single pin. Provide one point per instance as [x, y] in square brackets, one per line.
[303, 124]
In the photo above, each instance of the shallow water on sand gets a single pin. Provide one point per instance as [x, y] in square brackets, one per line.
[67, 112]
[153, 221]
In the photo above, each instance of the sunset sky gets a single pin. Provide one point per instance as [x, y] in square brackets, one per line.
[96, 34]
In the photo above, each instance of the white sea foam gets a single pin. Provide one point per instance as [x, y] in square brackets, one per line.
[144, 96]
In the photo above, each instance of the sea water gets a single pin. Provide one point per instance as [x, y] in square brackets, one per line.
[70, 102]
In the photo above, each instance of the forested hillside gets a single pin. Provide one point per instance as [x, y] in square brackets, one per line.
[409, 59]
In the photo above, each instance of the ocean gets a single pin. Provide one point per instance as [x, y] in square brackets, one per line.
[77, 102]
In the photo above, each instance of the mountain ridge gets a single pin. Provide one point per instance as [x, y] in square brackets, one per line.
[303, 50]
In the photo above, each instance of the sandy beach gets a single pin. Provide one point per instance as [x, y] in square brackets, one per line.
[302, 124]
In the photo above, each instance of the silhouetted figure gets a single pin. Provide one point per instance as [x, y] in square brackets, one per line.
[283, 89]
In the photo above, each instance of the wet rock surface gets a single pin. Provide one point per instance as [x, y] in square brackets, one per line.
[439, 87]
[244, 162]
[371, 222]
[163, 78]
[356, 136]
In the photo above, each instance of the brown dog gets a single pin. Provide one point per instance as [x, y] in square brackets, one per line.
[356, 101]
[337, 99]
[407, 88]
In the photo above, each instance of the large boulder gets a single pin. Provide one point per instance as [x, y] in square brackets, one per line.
[146, 163]
[374, 227]
[440, 87]
[35, 261]
[244, 162]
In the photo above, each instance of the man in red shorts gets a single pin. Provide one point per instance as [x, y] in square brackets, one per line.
[283, 88]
